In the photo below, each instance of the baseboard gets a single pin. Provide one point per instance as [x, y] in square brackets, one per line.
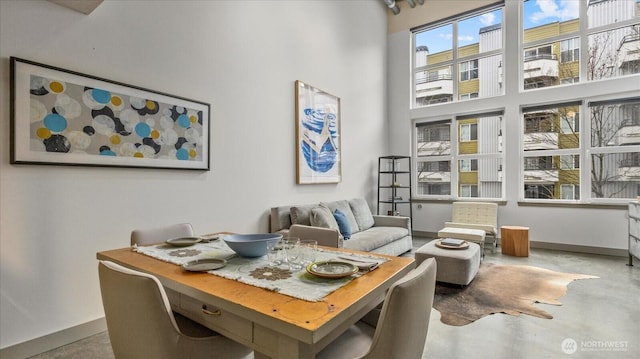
[553, 246]
[580, 249]
[54, 340]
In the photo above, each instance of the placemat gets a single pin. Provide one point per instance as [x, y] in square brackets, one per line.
[257, 272]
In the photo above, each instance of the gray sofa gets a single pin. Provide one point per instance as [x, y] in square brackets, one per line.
[371, 233]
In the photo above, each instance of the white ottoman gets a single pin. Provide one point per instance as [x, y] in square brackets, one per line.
[471, 235]
[457, 266]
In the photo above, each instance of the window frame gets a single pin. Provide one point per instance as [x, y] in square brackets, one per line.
[514, 98]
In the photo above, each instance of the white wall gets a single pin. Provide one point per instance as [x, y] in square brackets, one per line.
[595, 226]
[242, 57]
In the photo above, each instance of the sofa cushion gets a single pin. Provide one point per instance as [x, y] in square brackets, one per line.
[343, 224]
[344, 207]
[301, 214]
[375, 237]
[322, 217]
[362, 213]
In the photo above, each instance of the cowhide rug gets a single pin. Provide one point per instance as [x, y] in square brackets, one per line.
[502, 289]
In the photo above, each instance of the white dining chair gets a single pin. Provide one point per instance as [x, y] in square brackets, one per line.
[401, 331]
[146, 236]
[141, 325]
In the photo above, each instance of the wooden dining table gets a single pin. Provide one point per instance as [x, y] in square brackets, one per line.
[273, 324]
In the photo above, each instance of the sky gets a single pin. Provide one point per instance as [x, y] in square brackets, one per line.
[536, 13]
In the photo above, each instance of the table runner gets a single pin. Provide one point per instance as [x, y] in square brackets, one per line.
[257, 272]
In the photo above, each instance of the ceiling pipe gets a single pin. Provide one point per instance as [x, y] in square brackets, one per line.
[411, 3]
[392, 5]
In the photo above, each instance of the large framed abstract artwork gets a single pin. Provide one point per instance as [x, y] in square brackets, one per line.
[62, 117]
[317, 135]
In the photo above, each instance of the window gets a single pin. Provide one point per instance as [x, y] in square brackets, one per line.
[615, 149]
[468, 165]
[552, 50]
[574, 103]
[539, 191]
[467, 96]
[570, 50]
[469, 70]
[569, 191]
[551, 150]
[471, 44]
[542, 52]
[569, 162]
[476, 155]
[570, 123]
[468, 190]
[468, 132]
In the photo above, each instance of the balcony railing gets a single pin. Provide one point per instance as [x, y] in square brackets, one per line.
[628, 135]
[630, 163]
[432, 78]
[541, 65]
[540, 176]
[540, 57]
[629, 38]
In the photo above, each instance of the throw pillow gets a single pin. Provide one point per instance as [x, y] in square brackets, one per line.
[344, 207]
[301, 214]
[343, 224]
[362, 213]
[322, 217]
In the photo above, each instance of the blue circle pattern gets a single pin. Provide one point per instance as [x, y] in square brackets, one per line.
[183, 121]
[143, 130]
[101, 96]
[55, 122]
[182, 154]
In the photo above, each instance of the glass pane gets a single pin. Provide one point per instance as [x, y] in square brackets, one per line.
[490, 78]
[480, 177]
[433, 140]
[541, 16]
[608, 12]
[541, 67]
[615, 175]
[480, 33]
[434, 46]
[615, 124]
[482, 134]
[434, 86]
[552, 128]
[434, 177]
[614, 53]
[545, 177]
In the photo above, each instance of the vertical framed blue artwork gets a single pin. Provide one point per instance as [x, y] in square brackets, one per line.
[317, 135]
[63, 117]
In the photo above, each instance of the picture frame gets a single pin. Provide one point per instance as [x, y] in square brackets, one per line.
[63, 117]
[318, 150]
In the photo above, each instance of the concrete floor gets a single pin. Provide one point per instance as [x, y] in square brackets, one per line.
[595, 315]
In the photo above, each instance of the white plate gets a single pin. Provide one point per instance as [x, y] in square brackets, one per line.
[183, 241]
[332, 269]
[205, 264]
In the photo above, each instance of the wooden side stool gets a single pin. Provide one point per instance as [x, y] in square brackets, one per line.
[515, 241]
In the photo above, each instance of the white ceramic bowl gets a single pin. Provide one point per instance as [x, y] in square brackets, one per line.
[251, 245]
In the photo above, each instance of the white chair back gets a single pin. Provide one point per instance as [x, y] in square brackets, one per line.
[140, 322]
[147, 236]
[404, 320]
